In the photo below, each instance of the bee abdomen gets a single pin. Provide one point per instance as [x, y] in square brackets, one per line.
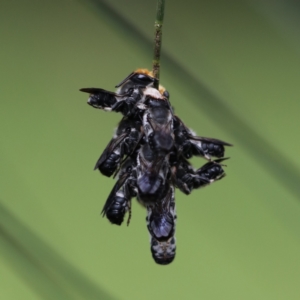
[213, 149]
[212, 173]
[109, 166]
[160, 227]
[150, 187]
[102, 100]
[115, 214]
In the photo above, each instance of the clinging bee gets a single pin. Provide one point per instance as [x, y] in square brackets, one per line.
[129, 93]
[158, 121]
[188, 144]
[161, 221]
[119, 200]
[211, 171]
[126, 139]
[152, 174]
[156, 144]
[187, 179]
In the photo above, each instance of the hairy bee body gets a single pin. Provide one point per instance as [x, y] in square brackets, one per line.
[158, 121]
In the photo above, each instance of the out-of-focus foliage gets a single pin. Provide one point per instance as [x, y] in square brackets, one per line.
[231, 68]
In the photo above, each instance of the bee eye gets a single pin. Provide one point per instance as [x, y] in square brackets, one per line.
[129, 169]
[128, 129]
[166, 94]
[142, 79]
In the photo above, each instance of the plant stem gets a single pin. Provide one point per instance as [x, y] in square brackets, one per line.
[157, 38]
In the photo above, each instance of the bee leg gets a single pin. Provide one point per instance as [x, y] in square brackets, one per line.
[218, 161]
[129, 213]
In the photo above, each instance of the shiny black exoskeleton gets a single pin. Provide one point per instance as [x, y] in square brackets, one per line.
[149, 152]
[161, 221]
[139, 78]
[188, 144]
[125, 141]
[119, 200]
[211, 172]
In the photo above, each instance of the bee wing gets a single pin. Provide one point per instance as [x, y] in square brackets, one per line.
[112, 194]
[157, 164]
[138, 78]
[168, 203]
[129, 155]
[115, 142]
[97, 91]
[209, 140]
[220, 160]
[211, 163]
[164, 128]
[178, 120]
[201, 138]
[124, 80]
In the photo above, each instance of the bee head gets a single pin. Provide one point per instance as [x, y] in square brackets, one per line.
[142, 77]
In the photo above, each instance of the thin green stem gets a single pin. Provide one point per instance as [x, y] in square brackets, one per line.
[158, 38]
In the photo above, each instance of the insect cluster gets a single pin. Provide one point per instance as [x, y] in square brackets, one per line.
[149, 152]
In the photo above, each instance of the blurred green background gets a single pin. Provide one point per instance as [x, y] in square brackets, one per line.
[232, 70]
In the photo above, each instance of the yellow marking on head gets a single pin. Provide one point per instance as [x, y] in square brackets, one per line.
[144, 71]
[161, 89]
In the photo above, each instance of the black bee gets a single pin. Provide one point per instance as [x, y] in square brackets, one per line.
[119, 200]
[211, 171]
[161, 221]
[158, 121]
[187, 179]
[149, 153]
[152, 174]
[125, 141]
[128, 94]
[188, 144]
